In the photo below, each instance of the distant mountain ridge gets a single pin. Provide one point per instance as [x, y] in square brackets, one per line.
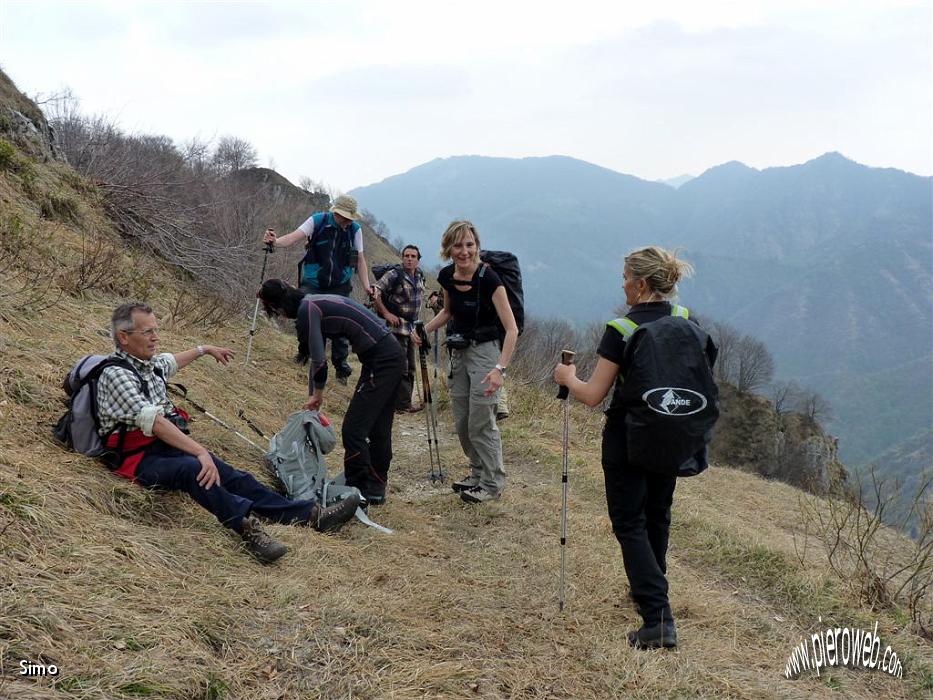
[827, 262]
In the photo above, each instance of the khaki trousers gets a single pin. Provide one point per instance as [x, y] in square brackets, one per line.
[475, 414]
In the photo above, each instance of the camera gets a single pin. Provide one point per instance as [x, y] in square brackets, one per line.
[457, 341]
[179, 421]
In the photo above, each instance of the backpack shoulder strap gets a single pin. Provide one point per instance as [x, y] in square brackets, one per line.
[625, 326]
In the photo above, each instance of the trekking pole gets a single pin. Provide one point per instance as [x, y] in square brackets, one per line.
[262, 277]
[250, 423]
[436, 358]
[566, 357]
[431, 420]
[182, 391]
[427, 420]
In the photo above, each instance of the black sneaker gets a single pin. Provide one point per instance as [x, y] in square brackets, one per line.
[333, 518]
[478, 494]
[260, 543]
[661, 635]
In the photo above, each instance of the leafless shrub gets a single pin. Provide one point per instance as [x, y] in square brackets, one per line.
[743, 361]
[785, 396]
[188, 309]
[814, 406]
[28, 278]
[94, 269]
[879, 565]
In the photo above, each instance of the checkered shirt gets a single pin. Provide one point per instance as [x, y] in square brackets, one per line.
[121, 400]
[405, 296]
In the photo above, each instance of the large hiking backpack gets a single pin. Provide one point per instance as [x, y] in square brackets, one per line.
[296, 457]
[669, 394]
[78, 426]
[505, 265]
[380, 271]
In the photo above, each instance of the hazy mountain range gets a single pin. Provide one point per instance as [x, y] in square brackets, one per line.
[828, 262]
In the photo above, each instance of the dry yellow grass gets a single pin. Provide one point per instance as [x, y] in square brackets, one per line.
[134, 594]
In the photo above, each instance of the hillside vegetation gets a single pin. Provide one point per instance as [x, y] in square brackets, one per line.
[137, 594]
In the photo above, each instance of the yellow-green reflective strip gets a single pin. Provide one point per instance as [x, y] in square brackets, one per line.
[678, 310]
[625, 326]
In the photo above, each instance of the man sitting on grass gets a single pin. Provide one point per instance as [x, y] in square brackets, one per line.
[149, 436]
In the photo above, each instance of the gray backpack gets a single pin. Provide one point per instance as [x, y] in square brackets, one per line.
[296, 457]
[78, 426]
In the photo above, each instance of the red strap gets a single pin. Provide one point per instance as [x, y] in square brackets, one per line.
[134, 443]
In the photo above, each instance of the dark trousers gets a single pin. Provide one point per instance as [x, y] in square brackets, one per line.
[408, 378]
[340, 346]
[367, 424]
[237, 495]
[640, 510]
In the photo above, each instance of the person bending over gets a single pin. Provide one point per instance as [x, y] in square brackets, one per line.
[367, 424]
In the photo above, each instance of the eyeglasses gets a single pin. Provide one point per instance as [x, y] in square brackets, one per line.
[148, 332]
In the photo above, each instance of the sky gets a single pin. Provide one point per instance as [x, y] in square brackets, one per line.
[351, 92]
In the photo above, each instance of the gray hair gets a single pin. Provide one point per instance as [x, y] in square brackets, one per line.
[660, 268]
[122, 318]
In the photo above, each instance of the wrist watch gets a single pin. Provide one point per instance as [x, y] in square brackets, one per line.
[501, 369]
[201, 350]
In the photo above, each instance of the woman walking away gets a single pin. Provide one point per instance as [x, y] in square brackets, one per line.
[367, 424]
[639, 499]
[475, 300]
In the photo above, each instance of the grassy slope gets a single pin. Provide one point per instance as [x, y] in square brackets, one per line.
[137, 594]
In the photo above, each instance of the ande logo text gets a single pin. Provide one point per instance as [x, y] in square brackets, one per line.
[674, 401]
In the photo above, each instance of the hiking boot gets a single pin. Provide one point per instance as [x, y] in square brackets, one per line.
[260, 543]
[343, 379]
[478, 494]
[333, 518]
[466, 483]
[662, 635]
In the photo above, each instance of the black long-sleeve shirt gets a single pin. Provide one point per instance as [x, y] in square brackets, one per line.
[323, 316]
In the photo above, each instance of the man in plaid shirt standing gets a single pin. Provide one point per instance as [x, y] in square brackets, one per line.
[397, 299]
[154, 449]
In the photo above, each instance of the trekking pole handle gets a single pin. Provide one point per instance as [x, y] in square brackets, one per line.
[423, 335]
[566, 358]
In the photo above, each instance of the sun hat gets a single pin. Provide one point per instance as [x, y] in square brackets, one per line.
[345, 205]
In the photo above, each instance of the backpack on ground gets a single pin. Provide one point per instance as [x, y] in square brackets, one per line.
[78, 426]
[296, 457]
[505, 265]
[669, 394]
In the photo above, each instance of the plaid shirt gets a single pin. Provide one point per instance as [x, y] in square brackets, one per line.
[405, 297]
[121, 400]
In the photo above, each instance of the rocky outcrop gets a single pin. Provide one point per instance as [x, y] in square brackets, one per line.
[752, 436]
[23, 124]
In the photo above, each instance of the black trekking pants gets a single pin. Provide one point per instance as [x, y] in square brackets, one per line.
[639, 504]
[367, 425]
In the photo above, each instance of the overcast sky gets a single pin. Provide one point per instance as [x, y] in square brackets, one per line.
[349, 93]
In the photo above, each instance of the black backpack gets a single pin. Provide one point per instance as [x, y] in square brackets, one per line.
[506, 266]
[379, 271]
[669, 394]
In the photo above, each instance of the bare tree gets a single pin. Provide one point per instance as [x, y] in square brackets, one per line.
[785, 396]
[233, 154]
[754, 366]
[727, 340]
[814, 406]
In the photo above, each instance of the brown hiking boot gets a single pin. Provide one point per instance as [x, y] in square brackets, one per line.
[333, 518]
[260, 543]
